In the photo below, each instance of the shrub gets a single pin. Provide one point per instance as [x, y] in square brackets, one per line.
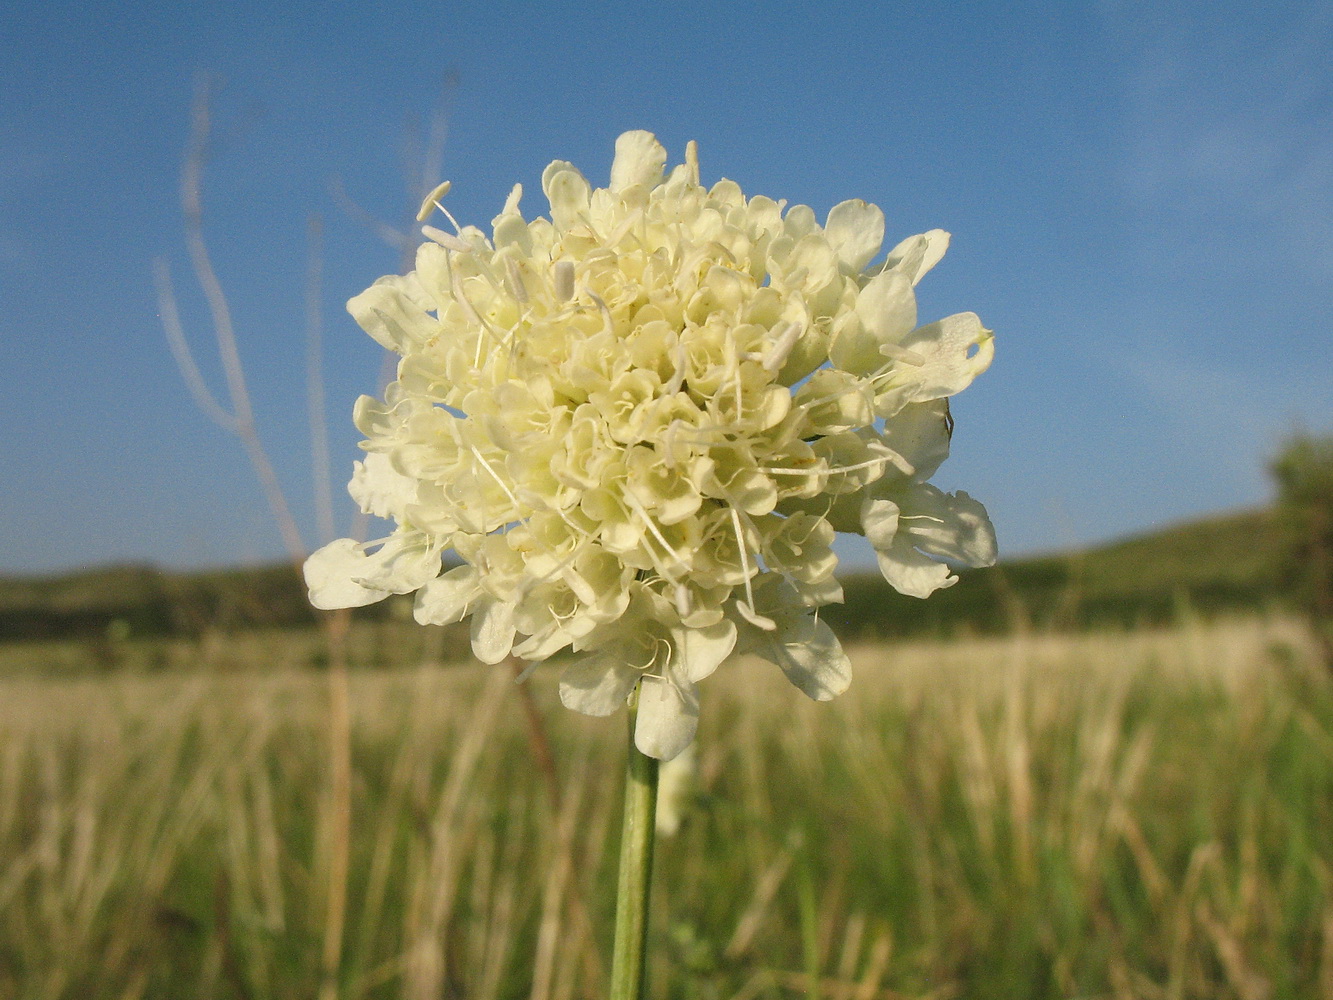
[1303, 470]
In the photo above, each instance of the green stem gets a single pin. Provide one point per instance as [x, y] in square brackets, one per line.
[636, 868]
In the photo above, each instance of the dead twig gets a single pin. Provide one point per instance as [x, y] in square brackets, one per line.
[239, 420]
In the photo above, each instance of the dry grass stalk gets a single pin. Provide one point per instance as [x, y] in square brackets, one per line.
[239, 420]
[156, 822]
[450, 831]
[558, 878]
[765, 891]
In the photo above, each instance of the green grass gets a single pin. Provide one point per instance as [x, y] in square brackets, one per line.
[1139, 814]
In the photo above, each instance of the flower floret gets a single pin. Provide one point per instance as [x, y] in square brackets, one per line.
[638, 424]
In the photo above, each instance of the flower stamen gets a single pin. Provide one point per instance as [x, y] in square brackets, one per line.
[432, 201]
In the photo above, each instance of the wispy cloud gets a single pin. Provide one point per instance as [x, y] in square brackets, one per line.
[1226, 158]
[1229, 419]
[1228, 118]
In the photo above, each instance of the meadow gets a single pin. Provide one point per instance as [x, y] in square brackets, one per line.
[1122, 814]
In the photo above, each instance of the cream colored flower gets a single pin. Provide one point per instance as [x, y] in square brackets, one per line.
[640, 423]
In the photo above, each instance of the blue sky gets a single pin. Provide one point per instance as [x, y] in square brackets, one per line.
[1140, 196]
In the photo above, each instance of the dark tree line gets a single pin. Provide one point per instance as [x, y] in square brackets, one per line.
[1304, 474]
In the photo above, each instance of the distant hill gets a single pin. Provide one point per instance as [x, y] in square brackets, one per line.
[1219, 564]
[145, 601]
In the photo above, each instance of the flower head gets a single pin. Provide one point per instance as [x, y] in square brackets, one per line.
[639, 423]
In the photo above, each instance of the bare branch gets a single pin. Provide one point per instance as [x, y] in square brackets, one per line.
[191, 186]
[432, 159]
[319, 425]
[240, 421]
[180, 350]
[422, 167]
[395, 238]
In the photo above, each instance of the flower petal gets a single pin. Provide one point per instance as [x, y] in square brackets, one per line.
[699, 651]
[332, 572]
[950, 526]
[543, 644]
[916, 255]
[948, 361]
[811, 656]
[855, 230]
[380, 489]
[639, 160]
[405, 561]
[492, 630]
[919, 434]
[933, 531]
[393, 311]
[445, 599]
[879, 521]
[886, 308]
[568, 192]
[668, 718]
[597, 684]
[911, 572]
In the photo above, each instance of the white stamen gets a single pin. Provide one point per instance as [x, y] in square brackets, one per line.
[837, 469]
[608, 323]
[668, 441]
[432, 201]
[446, 240]
[810, 404]
[563, 271]
[581, 588]
[557, 570]
[679, 361]
[665, 674]
[904, 354]
[374, 542]
[812, 470]
[776, 356]
[747, 608]
[733, 364]
[503, 336]
[635, 506]
[496, 476]
[592, 230]
[449, 215]
[516, 287]
[623, 229]
[755, 618]
[682, 595]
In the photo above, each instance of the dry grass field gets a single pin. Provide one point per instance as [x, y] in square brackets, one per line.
[1143, 814]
